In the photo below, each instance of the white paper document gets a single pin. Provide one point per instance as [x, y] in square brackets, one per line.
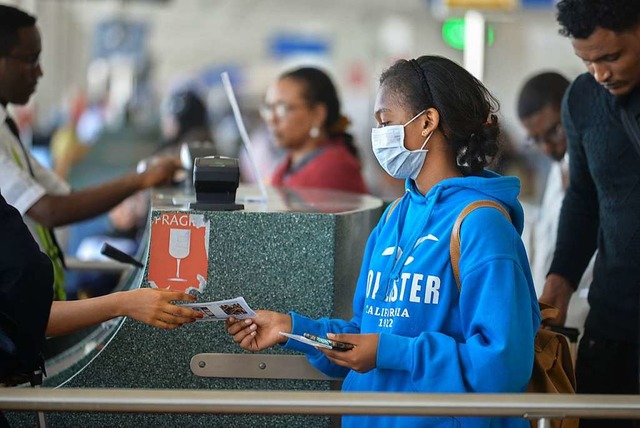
[305, 340]
[222, 309]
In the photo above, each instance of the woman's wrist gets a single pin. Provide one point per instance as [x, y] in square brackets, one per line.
[285, 324]
[117, 304]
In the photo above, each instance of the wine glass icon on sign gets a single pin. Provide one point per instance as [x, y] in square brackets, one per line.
[179, 246]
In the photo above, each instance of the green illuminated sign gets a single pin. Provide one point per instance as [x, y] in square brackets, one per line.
[453, 33]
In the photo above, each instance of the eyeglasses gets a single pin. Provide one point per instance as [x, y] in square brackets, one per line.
[553, 135]
[279, 110]
[32, 61]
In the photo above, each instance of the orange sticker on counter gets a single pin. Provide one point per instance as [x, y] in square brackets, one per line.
[179, 252]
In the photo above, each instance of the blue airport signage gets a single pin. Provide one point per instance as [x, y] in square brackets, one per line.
[538, 4]
[284, 45]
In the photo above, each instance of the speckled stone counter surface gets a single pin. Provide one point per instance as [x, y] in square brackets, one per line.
[299, 251]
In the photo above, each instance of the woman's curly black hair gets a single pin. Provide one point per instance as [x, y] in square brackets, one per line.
[579, 18]
[465, 106]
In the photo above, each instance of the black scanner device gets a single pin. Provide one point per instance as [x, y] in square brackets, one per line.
[215, 181]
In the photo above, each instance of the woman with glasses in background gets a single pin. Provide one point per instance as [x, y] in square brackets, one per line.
[302, 112]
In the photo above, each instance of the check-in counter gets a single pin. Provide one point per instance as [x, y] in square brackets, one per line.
[300, 250]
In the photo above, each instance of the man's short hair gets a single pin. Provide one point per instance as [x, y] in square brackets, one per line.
[579, 18]
[541, 90]
[12, 20]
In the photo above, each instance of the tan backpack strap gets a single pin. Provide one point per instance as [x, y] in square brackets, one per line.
[547, 312]
[454, 243]
[394, 204]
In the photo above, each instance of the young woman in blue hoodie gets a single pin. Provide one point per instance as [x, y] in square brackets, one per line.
[412, 329]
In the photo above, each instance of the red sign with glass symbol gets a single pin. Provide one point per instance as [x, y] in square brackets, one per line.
[179, 252]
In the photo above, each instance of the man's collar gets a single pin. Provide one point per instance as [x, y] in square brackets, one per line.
[624, 100]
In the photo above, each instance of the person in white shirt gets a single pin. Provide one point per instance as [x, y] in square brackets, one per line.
[44, 200]
[539, 104]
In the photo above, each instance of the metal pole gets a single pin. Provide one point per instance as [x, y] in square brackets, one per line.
[36, 382]
[544, 423]
[475, 40]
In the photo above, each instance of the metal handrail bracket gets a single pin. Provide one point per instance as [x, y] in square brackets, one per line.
[255, 366]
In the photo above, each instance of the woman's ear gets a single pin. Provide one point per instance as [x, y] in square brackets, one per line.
[430, 122]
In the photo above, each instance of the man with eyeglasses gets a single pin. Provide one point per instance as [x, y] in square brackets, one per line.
[40, 196]
[539, 106]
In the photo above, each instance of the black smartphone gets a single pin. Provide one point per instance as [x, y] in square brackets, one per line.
[335, 345]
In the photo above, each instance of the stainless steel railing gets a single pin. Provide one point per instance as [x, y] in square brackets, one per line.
[532, 406]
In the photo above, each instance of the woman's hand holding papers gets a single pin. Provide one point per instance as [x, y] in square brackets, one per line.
[361, 358]
[154, 307]
[148, 305]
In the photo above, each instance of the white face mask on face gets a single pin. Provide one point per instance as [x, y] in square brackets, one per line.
[393, 156]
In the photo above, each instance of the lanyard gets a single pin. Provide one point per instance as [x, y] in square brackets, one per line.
[46, 236]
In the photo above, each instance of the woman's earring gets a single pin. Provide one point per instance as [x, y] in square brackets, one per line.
[314, 132]
[424, 132]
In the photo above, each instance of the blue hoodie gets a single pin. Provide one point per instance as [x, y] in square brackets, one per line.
[434, 339]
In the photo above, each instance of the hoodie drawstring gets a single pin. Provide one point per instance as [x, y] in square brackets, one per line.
[399, 258]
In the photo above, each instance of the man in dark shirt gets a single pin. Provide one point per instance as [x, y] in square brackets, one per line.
[25, 299]
[601, 209]
[28, 312]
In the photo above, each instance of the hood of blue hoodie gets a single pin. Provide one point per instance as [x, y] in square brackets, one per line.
[503, 189]
[418, 216]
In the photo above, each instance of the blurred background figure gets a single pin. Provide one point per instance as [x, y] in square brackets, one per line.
[539, 106]
[268, 155]
[184, 119]
[66, 146]
[121, 228]
[302, 112]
